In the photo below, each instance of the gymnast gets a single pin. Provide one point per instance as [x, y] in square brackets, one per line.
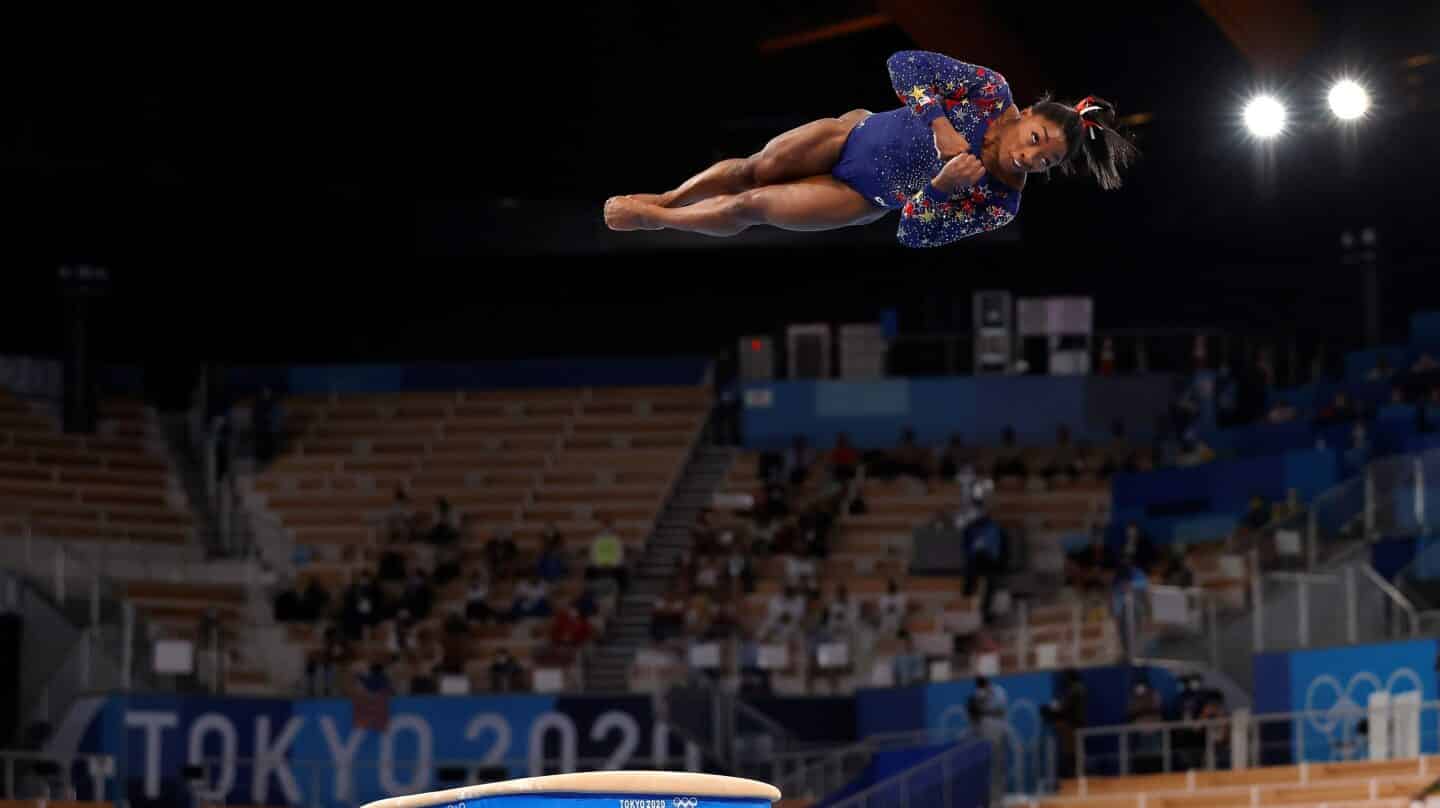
[952, 160]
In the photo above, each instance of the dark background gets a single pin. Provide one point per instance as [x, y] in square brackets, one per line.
[282, 190]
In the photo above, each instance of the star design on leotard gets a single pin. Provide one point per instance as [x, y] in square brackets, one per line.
[918, 93]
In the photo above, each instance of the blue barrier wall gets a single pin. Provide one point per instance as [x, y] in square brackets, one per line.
[1335, 685]
[976, 408]
[468, 375]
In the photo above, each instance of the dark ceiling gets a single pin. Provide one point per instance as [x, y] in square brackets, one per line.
[361, 188]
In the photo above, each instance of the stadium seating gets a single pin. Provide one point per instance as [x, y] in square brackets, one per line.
[1369, 783]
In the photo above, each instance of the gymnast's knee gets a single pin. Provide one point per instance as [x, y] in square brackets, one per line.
[749, 207]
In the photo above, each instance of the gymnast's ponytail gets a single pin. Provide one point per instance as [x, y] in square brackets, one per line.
[1095, 145]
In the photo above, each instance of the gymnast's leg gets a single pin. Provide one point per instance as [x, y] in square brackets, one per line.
[814, 203]
[804, 151]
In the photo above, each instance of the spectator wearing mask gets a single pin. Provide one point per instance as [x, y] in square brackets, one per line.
[607, 556]
[984, 559]
[1068, 714]
[668, 618]
[500, 553]
[844, 460]
[375, 680]
[1145, 708]
[362, 607]
[333, 656]
[1139, 547]
[552, 565]
[801, 573]
[506, 675]
[532, 599]
[403, 639]
[894, 608]
[909, 664]
[1127, 602]
[1091, 567]
[991, 728]
[477, 597]
[842, 614]
[739, 573]
[785, 609]
[418, 596]
[445, 526]
[798, 459]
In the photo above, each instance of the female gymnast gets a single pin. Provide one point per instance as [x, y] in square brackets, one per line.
[953, 161]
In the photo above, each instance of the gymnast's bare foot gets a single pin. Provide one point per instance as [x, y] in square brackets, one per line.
[627, 213]
[658, 200]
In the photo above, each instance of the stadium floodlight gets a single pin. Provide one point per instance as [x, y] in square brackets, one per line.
[1265, 116]
[1348, 100]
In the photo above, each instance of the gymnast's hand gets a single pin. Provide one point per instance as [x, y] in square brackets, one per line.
[961, 172]
[948, 140]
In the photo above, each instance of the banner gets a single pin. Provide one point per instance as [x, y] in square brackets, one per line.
[256, 751]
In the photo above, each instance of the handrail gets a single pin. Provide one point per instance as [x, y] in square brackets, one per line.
[1396, 596]
[862, 797]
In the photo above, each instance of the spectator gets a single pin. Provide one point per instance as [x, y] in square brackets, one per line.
[400, 519]
[1193, 451]
[909, 664]
[909, 459]
[984, 559]
[990, 704]
[1257, 515]
[1337, 412]
[477, 597]
[1063, 456]
[798, 459]
[1289, 508]
[1067, 714]
[1008, 462]
[801, 573]
[842, 614]
[552, 565]
[570, 628]
[785, 609]
[1359, 452]
[697, 614]
[334, 655]
[375, 680]
[445, 528]
[954, 459]
[1127, 602]
[894, 608]
[843, 459]
[1139, 547]
[707, 576]
[1091, 567]
[1145, 708]
[532, 599]
[587, 604]
[1381, 371]
[418, 596]
[1178, 569]
[403, 639]
[739, 574]
[668, 618]
[506, 675]
[551, 536]
[363, 606]
[607, 556]
[500, 553]
[992, 729]
[704, 539]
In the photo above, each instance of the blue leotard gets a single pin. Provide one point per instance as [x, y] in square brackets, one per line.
[890, 157]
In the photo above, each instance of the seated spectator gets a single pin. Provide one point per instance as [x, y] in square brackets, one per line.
[1178, 569]
[909, 664]
[403, 639]
[445, 528]
[1092, 566]
[1008, 462]
[477, 597]
[532, 599]
[1139, 547]
[1193, 451]
[984, 559]
[842, 614]
[798, 459]
[668, 617]
[1063, 457]
[1127, 602]
[334, 655]
[375, 680]
[1337, 412]
[787, 608]
[739, 573]
[587, 604]
[500, 553]
[400, 520]
[1289, 508]
[724, 622]
[954, 458]
[552, 565]
[704, 538]
[570, 628]
[909, 459]
[363, 606]
[844, 460]
[506, 675]
[801, 573]
[707, 576]
[1145, 708]
[894, 608]
[607, 556]
[418, 595]
[698, 613]
[1257, 516]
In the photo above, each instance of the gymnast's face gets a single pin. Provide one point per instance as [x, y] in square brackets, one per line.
[1034, 143]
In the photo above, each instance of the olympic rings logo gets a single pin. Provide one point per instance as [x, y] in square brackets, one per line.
[684, 802]
[1348, 704]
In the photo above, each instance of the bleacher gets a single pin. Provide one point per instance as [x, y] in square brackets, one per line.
[114, 485]
[506, 460]
[1377, 784]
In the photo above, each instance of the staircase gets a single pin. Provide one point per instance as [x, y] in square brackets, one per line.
[608, 669]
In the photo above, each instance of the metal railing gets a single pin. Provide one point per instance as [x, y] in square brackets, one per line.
[34, 775]
[948, 780]
[1387, 726]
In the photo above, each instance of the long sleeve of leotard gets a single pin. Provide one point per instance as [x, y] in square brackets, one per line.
[931, 83]
[931, 217]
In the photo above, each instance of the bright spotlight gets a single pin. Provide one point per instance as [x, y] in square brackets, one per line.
[1348, 100]
[1265, 116]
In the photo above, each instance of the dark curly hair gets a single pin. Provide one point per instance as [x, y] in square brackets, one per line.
[1094, 145]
